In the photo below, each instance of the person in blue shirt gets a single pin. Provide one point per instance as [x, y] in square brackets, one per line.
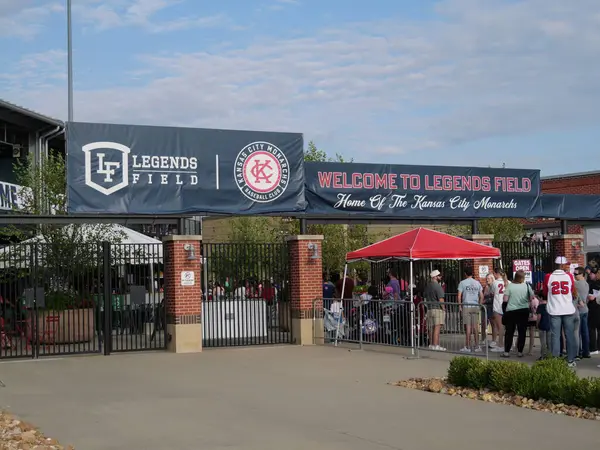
[543, 324]
[537, 277]
[328, 287]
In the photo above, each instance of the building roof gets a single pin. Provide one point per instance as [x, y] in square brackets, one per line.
[571, 175]
[26, 118]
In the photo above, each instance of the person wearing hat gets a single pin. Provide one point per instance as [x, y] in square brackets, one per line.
[559, 288]
[436, 310]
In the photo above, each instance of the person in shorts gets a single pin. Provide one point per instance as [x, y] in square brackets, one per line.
[436, 310]
[470, 299]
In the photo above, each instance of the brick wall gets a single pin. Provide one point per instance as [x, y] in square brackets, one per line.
[306, 276]
[485, 239]
[582, 185]
[570, 246]
[579, 185]
[183, 303]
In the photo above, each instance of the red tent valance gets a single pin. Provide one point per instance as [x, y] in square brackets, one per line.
[423, 243]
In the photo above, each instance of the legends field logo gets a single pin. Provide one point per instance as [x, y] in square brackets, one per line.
[108, 166]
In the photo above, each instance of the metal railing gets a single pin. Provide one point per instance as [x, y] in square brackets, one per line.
[403, 324]
[453, 328]
[381, 322]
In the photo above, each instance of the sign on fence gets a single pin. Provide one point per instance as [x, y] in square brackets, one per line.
[526, 266]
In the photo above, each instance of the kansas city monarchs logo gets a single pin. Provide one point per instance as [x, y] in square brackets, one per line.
[261, 172]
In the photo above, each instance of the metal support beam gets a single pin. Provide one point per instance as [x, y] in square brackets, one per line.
[19, 219]
[564, 227]
[475, 227]
[303, 226]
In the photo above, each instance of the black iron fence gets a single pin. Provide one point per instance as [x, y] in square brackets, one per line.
[246, 294]
[65, 298]
[539, 254]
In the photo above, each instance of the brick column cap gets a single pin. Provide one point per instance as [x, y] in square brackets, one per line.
[567, 236]
[305, 237]
[480, 237]
[180, 237]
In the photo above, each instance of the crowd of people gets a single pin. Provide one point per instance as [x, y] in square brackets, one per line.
[563, 307]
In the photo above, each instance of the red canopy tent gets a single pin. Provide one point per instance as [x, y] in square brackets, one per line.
[423, 243]
[419, 244]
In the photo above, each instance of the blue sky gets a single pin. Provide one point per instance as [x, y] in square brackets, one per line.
[452, 82]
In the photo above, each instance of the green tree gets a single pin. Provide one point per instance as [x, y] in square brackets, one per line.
[505, 229]
[313, 154]
[62, 253]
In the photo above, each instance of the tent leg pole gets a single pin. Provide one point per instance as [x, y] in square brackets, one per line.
[337, 331]
[412, 311]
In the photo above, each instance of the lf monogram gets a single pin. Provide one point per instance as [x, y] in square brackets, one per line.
[106, 168]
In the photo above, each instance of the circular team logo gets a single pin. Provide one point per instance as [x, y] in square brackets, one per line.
[261, 172]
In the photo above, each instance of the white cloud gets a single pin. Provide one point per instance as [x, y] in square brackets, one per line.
[106, 14]
[489, 68]
[25, 18]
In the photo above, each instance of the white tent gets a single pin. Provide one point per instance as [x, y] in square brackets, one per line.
[133, 248]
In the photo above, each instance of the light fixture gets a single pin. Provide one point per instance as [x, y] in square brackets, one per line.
[314, 248]
[191, 251]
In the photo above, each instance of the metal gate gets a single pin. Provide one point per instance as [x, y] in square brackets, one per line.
[245, 294]
[65, 298]
[541, 255]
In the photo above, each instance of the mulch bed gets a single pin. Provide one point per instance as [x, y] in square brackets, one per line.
[18, 435]
[441, 386]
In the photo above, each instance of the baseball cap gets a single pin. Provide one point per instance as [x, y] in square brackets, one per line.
[561, 260]
[435, 273]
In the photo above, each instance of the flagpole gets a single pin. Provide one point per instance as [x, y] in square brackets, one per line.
[69, 62]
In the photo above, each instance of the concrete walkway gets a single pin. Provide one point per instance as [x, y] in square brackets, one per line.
[267, 398]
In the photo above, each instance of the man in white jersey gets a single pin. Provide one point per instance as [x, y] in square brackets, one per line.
[559, 288]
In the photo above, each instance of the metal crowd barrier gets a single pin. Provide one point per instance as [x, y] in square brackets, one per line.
[403, 324]
[381, 322]
[453, 320]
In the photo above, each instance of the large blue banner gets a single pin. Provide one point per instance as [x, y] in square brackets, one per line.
[124, 169]
[401, 191]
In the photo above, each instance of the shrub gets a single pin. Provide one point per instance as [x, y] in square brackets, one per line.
[593, 399]
[553, 380]
[459, 368]
[510, 377]
[549, 379]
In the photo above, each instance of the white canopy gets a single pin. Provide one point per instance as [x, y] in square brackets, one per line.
[133, 248]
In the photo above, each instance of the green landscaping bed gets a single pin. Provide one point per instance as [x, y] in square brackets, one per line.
[549, 385]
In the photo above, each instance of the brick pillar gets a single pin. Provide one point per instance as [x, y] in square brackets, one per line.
[485, 239]
[183, 295]
[306, 285]
[570, 246]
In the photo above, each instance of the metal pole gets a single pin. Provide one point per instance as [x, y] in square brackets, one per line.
[564, 227]
[107, 297]
[303, 226]
[337, 332]
[69, 62]
[412, 312]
